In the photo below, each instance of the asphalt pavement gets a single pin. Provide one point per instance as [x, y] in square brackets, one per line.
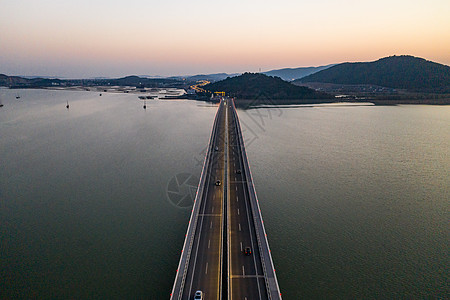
[225, 221]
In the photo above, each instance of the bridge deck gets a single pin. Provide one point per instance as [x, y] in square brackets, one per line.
[225, 220]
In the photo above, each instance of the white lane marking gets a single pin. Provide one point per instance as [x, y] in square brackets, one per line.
[236, 188]
[206, 271]
[210, 226]
[237, 198]
[209, 244]
[238, 211]
[239, 226]
[241, 246]
[243, 270]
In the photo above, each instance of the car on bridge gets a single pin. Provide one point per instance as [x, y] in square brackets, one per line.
[238, 171]
[217, 148]
[248, 251]
[218, 182]
[198, 295]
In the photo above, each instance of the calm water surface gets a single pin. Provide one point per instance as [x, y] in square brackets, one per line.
[355, 199]
[84, 211]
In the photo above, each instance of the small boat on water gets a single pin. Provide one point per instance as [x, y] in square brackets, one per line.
[67, 106]
[17, 97]
[1, 103]
[145, 105]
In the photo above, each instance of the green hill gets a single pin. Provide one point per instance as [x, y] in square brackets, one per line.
[260, 86]
[398, 72]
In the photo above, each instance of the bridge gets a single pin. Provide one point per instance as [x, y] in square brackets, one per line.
[226, 254]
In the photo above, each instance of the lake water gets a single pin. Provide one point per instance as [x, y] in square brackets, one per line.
[355, 199]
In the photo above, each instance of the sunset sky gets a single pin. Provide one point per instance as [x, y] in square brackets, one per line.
[75, 39]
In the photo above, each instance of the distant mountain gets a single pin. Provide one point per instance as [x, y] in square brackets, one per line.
[133, 80]
[6, 80]
[13, 81]
[42, 77]
[211, 77]
[137, 81]
[150, 76]
[398, 72]
[20, 82]
[260, 86]
[290, 74]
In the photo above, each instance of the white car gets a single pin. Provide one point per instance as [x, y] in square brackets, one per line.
[198, 295]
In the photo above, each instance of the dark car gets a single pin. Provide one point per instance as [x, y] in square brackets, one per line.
[248, 251]
[238, 171]
[218, 182]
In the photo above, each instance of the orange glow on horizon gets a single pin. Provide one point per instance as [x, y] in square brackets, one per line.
[200, 37]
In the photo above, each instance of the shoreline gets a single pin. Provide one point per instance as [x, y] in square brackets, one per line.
[180, 94]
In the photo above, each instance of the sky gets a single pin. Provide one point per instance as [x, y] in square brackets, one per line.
[111, 38]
